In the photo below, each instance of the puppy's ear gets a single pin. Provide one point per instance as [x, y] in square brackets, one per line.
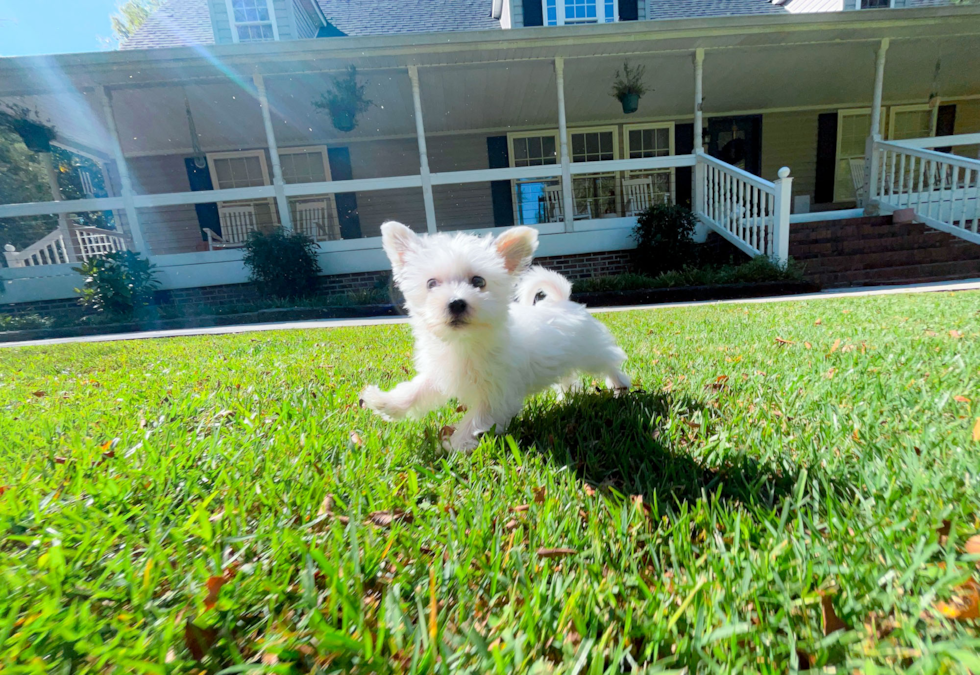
[517, 246]
[397, 240]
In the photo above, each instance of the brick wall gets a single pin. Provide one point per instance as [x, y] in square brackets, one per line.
[575, 267]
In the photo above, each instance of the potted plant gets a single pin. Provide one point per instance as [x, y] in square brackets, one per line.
[345, 102]
[628, 86]
[27, 124]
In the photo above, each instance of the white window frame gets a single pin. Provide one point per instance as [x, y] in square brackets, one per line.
[896, 109]
[540, 133]
[600, 12]
[270, 5]
[841, 114]
[857, 5]
[329, 198]
[669, 126]
[616, 155]
[265, 177]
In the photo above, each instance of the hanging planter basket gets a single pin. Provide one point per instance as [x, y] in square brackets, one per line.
[344, 102]
[631, 102]
[343, 120]
[628, 87]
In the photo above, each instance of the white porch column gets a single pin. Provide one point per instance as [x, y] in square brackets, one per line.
[698, 99]
[698, 175]
[430, 206]
[780, 216]
[870, 160]
[566, 160]
[126, 182]
[285, 217]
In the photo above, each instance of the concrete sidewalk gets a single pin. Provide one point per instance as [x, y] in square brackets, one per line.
[969, 285]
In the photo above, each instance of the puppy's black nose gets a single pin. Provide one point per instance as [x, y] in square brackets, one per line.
[457, 306]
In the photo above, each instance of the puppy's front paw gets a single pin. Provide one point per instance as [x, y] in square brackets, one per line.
[462, 441]
[372, 397]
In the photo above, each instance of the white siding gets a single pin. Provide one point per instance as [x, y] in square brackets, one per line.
[374, 159]
[167, 229]
[307, 23]
[516, 13]
[464, 206]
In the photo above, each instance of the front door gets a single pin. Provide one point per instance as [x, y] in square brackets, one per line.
[737, 141]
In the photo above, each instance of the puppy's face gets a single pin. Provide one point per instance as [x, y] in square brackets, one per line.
[457, 285]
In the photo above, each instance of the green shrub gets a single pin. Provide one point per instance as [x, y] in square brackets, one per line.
[757, 270]
[24, 322]
[282, 264]
[119, 284]
[664, 239]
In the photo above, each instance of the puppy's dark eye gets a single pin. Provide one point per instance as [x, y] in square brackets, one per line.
[538, 297]
[478, 282]
[431, 283]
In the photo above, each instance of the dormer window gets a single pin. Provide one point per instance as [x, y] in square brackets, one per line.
[574, 12]
[252, 21]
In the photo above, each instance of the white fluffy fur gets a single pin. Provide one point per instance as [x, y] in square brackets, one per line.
[499, 352]
[541, 285]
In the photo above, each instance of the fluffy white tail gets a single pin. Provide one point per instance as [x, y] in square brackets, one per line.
[541, 285]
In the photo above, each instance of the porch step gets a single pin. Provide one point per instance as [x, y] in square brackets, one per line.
[875, 250]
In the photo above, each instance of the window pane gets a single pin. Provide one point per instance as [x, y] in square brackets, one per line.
[591, 143]
[223, 170]
[606, 142]
[578, 144]
[548, 143]
[239, 172]
[534, 147]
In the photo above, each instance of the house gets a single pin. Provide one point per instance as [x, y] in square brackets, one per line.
[765, 116]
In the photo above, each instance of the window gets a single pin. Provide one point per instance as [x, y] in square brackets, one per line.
[537, 148]
[314, 216]
[853, 129]
[653, 140]
[910, 121]
[572, 12]
[252, 21]
[247, 168]
[595, 193]
[874, 4]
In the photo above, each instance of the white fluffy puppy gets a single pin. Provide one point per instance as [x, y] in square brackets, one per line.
[473, 343]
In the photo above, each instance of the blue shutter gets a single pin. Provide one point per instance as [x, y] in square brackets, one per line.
[628, 10]
[340, 169]
[683, 145]
[503, 200]
[823, 189]
[533, 13]
[207, 214]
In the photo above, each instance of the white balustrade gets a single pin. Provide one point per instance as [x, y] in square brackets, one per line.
[94, 242]
[749, 211]
[49, 250]
[943, 190]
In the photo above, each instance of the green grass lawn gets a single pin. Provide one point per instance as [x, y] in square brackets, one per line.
[221, 503]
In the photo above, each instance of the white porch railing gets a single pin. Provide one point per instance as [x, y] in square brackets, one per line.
[94, 242]
[49, 250]
[750, 212]
[943, 190]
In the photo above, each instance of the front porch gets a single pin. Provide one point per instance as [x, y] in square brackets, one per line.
[481, 132]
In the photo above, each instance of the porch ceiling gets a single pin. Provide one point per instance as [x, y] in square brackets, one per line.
[497, 80]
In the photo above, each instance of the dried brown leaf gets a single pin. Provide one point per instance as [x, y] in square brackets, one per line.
[386, 518]
[818, 322]
[60, 460]
[834, 347]
[555, 552]
[214, 585]
[520, 508]
[199, 640]
[511, 525]
[539, 494]
[783, 341]
[972, 546]
[3, 488]
[961, 399]
[355, 439]
[976, 431]
[589, 490]
[965, 605]
[461, 408]
[269, 659]
[808, 345]
[831, 622]
[955, 334]
[40, 393]
[326, 506]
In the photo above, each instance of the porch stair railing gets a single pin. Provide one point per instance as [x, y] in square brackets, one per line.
[750, 212]
[49, 250]
[94, 242]
[942, 190]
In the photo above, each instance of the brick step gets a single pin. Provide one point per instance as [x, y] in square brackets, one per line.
[891, 250]
[939, 271]
[885, 259]
[866, 232]
[844, 247]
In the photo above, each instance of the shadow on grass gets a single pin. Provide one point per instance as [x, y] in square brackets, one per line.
[642, 443]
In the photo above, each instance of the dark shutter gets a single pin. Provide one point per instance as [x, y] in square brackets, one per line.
[503, 201]
[533, 13]
[340, 169]
[823, 192]
[945, 123]
[683, 145]
[207, 214]
[628, 10]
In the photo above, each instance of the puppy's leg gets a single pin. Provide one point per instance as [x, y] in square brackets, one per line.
[617, 380]
[568, 385]
[467, 434]
[413, 398]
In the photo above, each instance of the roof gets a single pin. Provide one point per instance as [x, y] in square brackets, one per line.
[388, 17]
[177, 23]
[688, 9]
